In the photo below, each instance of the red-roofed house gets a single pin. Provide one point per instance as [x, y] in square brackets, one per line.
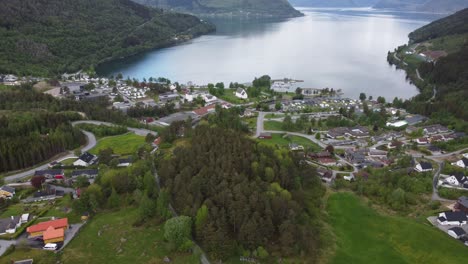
[39, 229]
[53, 235]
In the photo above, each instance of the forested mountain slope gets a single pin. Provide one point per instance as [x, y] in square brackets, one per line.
[454, 24]
[443, 81]
[273, 8]
[434, 6]
[56, 36]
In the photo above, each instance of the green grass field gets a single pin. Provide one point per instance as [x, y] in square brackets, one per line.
[280, 140]
[123, 144]
[273, 125]
[229, 95]
[364, 236]
[120, 242]
[39, 256]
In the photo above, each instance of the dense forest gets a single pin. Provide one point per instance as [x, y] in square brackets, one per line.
[244, 196]
[274, 8]
[32, 137]
[35, 126]
[55, 36]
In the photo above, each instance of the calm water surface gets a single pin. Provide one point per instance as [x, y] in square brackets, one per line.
[341, 49]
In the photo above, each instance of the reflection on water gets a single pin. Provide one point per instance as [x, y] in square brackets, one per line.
[342, 49]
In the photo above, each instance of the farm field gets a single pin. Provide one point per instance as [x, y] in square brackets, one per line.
[365, 236]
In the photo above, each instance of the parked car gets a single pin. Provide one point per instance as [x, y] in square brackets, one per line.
[50, 246]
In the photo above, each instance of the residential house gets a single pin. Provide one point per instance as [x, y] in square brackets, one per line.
[452, 218]
[437, 138]
[9, 225]
[125, 162]
[463, 163]
[465, 155]
[86, 159]
[7, 192]
[397, 124]
[349, 178]
[415, 119]
[208, 98]
[53, 235]
[462, 204]
[39, 229]
[422, 141]
[188, 97]
[412, 129]
[205, 110]
[327, 161]
[434, 129]
[456, 232]
[265, 135]
[356, 157]
[90, 173]
[324, 174]
[434, 149]
[358, 132]
[241, 93]
[395, 144]
[294, 147]
[458, 179]
[337, 132]
[423, 167]
[51, 174]
[168, 97]
[375, 153]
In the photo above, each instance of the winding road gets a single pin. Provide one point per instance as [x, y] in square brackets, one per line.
[91, 143]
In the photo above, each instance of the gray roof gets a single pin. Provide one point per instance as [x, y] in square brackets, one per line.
[458, 230]
[24, 261]
[7, 223]
[77, 173]
[463, 200]
[7, 188]
[48, 172]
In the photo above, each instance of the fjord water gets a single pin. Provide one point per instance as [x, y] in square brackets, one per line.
[336, 48]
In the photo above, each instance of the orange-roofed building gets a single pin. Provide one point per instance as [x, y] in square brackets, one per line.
[52, 235]
[38, 230]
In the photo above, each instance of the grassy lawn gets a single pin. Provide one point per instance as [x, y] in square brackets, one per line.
[251, 122]
[122, 144]
[364, 236]
[280, 140]
[229, 95]
[40, 256]
[272, 115]
[120, 242]
[62, 209]
[273, 125]
[68, 162]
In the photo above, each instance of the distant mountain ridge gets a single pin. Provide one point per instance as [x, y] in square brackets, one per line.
[49, 37]
[431, 6]
[270, 8]
[333, 3]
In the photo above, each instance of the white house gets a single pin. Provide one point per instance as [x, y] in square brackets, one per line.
[397, 124]
[465, 155]
[24, 218]
[423, 167]
[452, 218]
[456, 232]
[457, 180]
[188, 97]
[241, 93]
[349, 178]
[463, 163]
[86, 159]
[208, 98]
